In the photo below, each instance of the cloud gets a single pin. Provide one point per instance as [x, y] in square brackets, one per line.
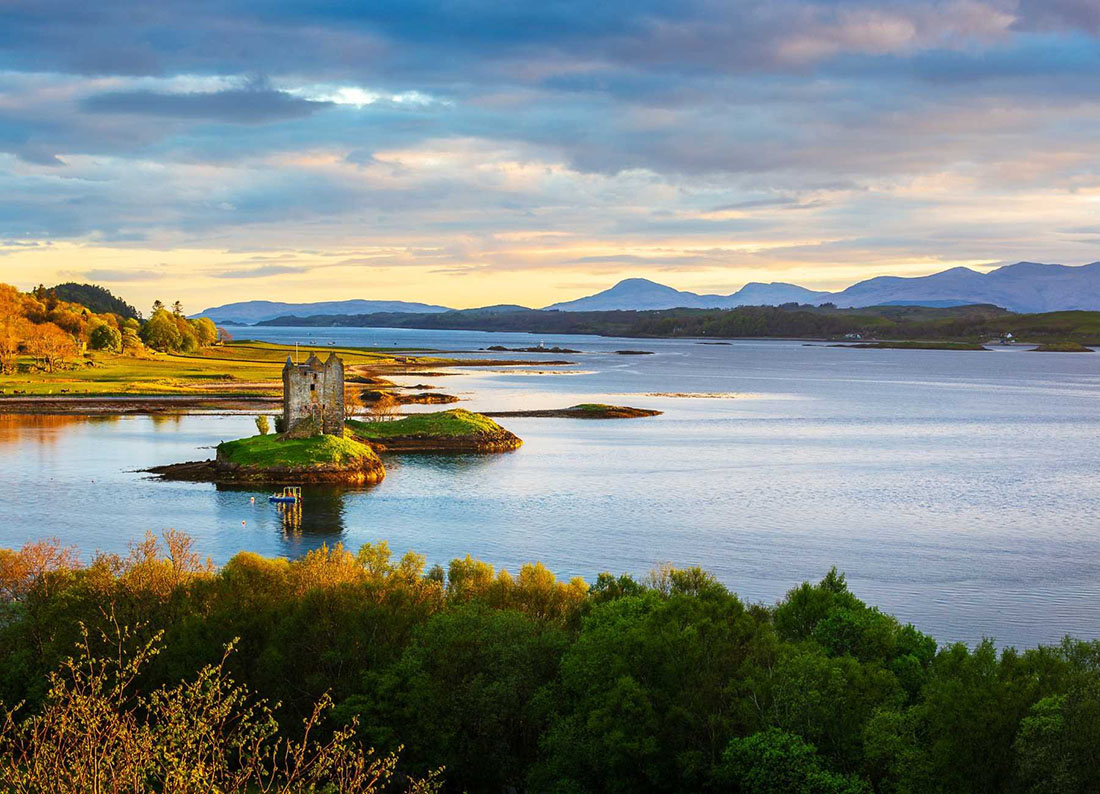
[514, 137]
[123, 276]
[261, 272]
[238, 106]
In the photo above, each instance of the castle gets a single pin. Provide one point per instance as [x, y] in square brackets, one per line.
[313, 397]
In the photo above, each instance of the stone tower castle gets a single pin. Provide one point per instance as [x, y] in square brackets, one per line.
[313, 397]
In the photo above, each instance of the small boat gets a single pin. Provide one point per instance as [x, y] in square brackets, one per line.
[291, 495]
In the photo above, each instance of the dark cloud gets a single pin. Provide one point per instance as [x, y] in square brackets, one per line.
[242, 106]
[1083, 15]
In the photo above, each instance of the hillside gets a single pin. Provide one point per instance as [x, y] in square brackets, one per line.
[96, 299]
[961, 323]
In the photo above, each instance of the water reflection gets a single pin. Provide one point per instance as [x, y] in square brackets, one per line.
[319, 516]
[165, 421]
[17, 427]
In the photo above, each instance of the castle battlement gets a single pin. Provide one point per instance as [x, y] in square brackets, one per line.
[313, 396]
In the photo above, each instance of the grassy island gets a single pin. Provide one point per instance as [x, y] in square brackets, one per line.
[456, 429]
[316, 459]
[1063, 347]
[909, 345]
[584, 411]
[273, 459]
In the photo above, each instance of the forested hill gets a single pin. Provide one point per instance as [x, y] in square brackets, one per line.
[96, 299]
[790, 321]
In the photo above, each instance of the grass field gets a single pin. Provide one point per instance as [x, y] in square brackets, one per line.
[237, 368]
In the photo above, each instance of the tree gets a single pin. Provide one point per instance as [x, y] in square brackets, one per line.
[177, 308]
[205, 331]
[1058, 744]
[353, 403]
[263, 425]
[14, 331]
[158, 306]
[50, 346]
[98, 732]
[482, 673]
[776, 762]
[160, 332]
[105, 337]
[382, 409]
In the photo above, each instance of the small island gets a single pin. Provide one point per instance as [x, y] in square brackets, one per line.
[908, 345]
[312, 447]
[324, 458]
[453, 430]
[1063, 347]
[582, 411]
[539, 349]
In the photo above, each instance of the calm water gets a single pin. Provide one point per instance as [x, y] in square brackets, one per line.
[957, 490]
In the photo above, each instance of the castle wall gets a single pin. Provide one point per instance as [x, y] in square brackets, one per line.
[313, 397]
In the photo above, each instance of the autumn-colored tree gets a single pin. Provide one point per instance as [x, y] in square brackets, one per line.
[50, 346]
[14, 331]
[22, 570]
[98, 732]
[353, 403]
[382, 409]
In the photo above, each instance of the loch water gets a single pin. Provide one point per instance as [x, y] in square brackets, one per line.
[957, 490]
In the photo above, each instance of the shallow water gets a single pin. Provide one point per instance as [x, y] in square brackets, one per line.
[958, 490]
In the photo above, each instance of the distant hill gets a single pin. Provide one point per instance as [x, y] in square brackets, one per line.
[1023, 287]
[640, 294]
[259, 311]
[96, 298]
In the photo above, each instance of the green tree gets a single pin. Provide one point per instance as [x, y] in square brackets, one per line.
[160, 332]
[776, 762]
[649, 694]
[205, 331]
[1058, 745]
[482, 674]
[105, 337]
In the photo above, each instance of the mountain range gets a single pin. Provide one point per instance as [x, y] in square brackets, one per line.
[1023, 287]
[249, 312]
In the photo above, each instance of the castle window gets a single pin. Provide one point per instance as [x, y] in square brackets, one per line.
[313, 387]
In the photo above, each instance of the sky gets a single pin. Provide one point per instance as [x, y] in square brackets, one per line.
[467, 152]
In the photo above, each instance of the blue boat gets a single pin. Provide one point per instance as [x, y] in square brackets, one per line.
[291, 495]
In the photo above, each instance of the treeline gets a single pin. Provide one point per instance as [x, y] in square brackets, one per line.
[526, 683]
[53, 332]
[964, 323]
